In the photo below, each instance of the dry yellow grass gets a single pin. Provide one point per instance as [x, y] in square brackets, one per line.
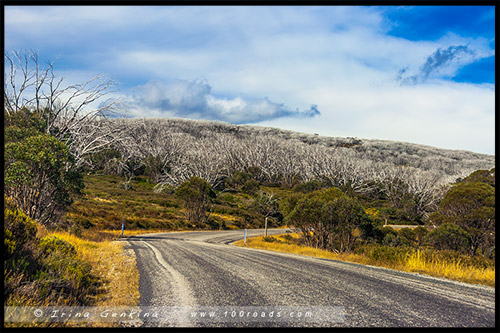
[115, 266]
[415, 262]
[454, 270]
[259, 243]
[104, 200]
[110, 235]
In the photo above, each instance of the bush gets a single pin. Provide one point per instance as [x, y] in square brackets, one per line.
[307, 187]
[50, 273]
[62, 272]
[471, 206]
[407, 237]
[196, 195]
[328, 219]
[449, 237]
[20, 243]
[53, 244]
[250, 187]
[239, 178]
[391, 239]
[19, 230]
[384, 253]
[420, 234]
[371, 227]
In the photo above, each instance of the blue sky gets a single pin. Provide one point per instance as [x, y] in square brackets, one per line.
[421, 74]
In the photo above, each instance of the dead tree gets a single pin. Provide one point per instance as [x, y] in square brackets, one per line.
[70, 111]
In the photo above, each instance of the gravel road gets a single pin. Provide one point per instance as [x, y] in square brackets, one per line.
[198, 279]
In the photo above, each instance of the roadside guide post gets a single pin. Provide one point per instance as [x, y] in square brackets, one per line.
[266, 228]
[245, 237]
[123, 225]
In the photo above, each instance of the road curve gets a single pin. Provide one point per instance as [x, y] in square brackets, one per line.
[190, 275]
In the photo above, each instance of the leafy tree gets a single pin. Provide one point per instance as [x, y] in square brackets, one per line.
[350, 216]
[255, 172]
[39, 171]
[239, 178]
[471, 206]
[66, 109]
[328, 219]
[196, 193]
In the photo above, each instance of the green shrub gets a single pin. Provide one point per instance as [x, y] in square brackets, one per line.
[307, 187]
[43, 162]
[62, 271]
[239, 178]
[332, 217]
[371, 231]
[384, 253]
[449, 237]
[44, 271]
[20, 243]
[391, 239]
[196, 195]
[420, 234]
[383, 237]
[19, 230]
[251, 186]
[407, 237]
[471, 206]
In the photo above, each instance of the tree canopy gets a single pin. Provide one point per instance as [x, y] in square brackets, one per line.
[328, 219]
[470, 205]
[39, 170]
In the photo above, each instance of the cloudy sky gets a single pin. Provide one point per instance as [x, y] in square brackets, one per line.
[416, 74]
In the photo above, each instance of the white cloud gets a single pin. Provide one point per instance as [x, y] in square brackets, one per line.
[458, 116]
[267, 62]
[193, 99]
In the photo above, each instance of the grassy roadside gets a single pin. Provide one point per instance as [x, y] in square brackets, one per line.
[112, 270]
[417, 261]
[113, 235]
[114, 265]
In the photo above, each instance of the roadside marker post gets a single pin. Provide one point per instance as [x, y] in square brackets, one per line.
[245, 237]
[266, 228]
[123, 225]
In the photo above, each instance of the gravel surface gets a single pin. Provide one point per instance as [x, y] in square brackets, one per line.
[198, 279]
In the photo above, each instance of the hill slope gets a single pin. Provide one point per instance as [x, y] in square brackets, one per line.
[179, 144]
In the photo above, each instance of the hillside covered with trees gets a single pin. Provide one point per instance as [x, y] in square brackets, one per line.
[171, 151]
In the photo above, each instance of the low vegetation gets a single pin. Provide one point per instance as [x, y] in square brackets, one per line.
[100, 212]
[47, 268]
[446, 264]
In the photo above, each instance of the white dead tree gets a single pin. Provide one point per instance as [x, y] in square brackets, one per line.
[70, 111]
